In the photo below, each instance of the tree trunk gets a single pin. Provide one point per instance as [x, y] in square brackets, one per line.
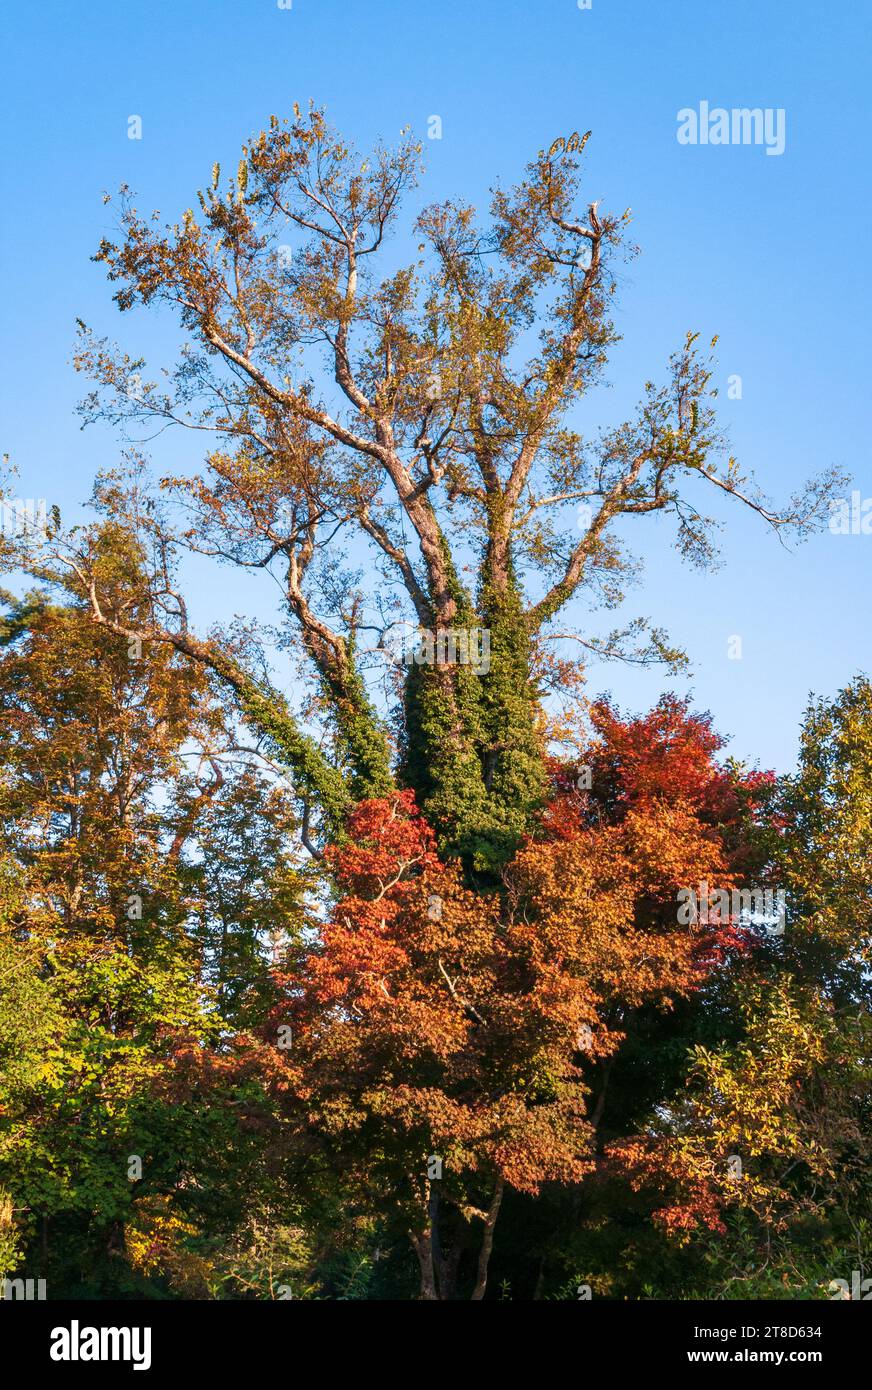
[448, 1267]
[487, 1242]
[423, 1247]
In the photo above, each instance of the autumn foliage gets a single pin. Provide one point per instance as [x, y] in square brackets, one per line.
[451, 1046]
[432, 1020]
[371, 982]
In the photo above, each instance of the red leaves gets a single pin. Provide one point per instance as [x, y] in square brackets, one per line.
[433, 1018]
[691, 1199]
[427, 1017]
[680, 817]
[389, 837]
[667, 756]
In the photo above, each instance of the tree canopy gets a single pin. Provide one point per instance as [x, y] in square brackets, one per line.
[371, 981]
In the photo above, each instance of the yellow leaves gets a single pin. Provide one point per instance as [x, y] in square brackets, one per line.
[158, 1241]
[58, 1062]
[752, 1101]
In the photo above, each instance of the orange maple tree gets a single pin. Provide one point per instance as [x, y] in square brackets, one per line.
[449, 1042]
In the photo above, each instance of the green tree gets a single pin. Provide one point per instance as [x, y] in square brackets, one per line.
[111, 968]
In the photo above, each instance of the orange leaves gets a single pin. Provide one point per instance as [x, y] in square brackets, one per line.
[435, 1018]
[393, 946]
[658, 814]
[693, 1201]
[669, 847]
[602, 901]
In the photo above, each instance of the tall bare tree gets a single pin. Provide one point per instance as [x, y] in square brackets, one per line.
[426, 410]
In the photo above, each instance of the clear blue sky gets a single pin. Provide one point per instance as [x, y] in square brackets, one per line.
[772, 253]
